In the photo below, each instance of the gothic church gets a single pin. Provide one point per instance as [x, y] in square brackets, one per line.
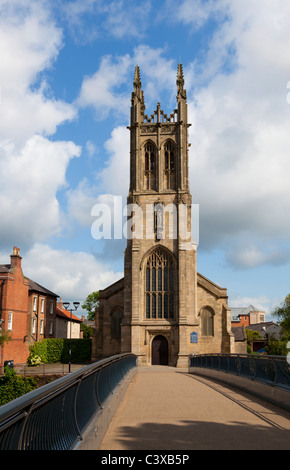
[163, 310]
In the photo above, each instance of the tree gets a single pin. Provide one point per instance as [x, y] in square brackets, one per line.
[5, 336]
[251, 337]
[87, 331]
[91, 304]
[277, 347]
[283, 315]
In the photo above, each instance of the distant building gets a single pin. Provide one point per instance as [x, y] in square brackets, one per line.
[245, 316]
[42, 309]
[14, 317]
[67, 324]
[27, 311]
[267, 330]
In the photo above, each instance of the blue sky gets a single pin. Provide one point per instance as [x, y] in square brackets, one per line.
[67, 71]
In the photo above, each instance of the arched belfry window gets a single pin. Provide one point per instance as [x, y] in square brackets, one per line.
[207, 322]
[159, 285]
[169, 165]
[150, 164]
[116, 320]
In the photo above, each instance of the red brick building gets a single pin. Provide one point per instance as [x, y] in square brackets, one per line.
[245, 316]
[27, 311]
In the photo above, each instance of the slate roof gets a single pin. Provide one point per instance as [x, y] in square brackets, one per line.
[271, 328]
[62, 312]
[35, 287]
[239, 333]
[237, 311]
[5, 268]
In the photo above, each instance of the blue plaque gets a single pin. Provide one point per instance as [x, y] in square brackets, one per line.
[193, 337]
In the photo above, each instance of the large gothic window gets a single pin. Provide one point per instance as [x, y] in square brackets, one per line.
[116, 320]
[150, 163]
[159, 285]
[169, 165]
[207, 316]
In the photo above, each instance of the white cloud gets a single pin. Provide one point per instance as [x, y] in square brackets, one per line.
[117, 19]
[32, 168]
[29, 181]
[102, 89]
[194, 13]
[250, 255]
[263, 303]
[80, 203]
[112, 181]
[71, 275]
[30, 43]
[115, 175]
[239, 157]
[108, 89]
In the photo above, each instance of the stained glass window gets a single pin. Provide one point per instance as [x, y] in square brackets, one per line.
[207, 317]
[159, 293]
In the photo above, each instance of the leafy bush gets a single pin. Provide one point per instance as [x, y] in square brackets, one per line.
[277, 347]
[33, 360]
[13, 386]
[54, 350]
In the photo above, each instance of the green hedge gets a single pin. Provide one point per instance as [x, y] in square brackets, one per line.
[52, 350]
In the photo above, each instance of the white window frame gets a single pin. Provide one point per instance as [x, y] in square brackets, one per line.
[33, 328]
[41, 326]
[34, 303]
[51, 307]
[51, 327]
[10, 321]
[42, 306]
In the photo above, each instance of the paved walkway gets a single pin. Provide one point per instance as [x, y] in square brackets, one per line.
[168, 409]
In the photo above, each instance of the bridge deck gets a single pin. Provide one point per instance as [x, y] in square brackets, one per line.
[168, 409]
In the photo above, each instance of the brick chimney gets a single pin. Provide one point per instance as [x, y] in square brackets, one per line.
[15, 258]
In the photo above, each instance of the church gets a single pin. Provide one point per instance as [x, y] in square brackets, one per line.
[162, 310]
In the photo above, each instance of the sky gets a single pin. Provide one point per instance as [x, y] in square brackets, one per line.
[66, 78]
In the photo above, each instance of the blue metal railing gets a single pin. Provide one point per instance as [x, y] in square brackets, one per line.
[274, 370]
[55, 416]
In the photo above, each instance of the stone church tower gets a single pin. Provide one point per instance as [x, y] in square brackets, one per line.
[162, 310]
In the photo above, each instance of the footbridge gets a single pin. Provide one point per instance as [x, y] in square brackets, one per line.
[218, 402]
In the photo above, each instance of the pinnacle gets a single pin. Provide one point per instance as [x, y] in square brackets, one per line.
[180, 71]
[137, 80]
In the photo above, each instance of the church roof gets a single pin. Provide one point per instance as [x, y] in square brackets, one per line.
[211, 286]
[112, 289]
[201, 280]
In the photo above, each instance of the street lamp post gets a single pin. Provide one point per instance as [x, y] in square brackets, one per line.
[66, 306]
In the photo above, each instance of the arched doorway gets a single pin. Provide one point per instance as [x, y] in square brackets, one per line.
[160, 351]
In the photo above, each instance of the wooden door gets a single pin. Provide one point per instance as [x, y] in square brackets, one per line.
[160, 351]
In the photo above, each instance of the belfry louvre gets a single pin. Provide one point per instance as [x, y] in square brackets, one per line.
[162, 301]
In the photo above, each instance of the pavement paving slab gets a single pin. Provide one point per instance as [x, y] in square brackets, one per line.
[165, 408]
